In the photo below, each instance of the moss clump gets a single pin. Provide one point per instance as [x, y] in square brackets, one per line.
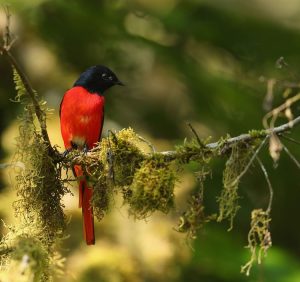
[121, 156]
[152, 189]
[111, 167]
[228, 200]
[259, 238]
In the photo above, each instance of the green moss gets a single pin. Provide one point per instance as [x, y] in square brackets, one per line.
[257, 133]
[121, 156]
[222, 144]
[152, 189]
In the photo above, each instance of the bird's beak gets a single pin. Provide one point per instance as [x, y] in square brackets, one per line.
[120, 83]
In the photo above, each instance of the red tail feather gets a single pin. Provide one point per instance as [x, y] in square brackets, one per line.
[85, 195]
[88, 217]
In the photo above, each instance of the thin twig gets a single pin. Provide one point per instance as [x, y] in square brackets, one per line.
[275, 112]
[271, 190]
[291, 156]
[196, 135]
[148, 143]
[7, 35]
[110, 158]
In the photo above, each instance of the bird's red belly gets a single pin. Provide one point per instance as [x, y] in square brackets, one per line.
[81, 118]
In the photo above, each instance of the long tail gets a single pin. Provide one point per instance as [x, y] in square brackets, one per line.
[85, 195]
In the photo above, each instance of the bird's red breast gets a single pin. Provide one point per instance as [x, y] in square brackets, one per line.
[82, 115]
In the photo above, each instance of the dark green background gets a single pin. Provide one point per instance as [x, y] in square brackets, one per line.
[209, 63]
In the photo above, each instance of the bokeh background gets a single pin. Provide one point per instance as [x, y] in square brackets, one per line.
[204, 62]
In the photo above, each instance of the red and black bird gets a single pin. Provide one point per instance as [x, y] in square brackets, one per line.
[81, 122]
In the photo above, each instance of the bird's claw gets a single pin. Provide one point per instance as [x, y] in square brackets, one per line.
[85, 149]
[66, 152]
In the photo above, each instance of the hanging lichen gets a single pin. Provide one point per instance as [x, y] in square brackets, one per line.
[259, 238]
[194, 218]
[39, 187]
[39, 209]
[228, 200]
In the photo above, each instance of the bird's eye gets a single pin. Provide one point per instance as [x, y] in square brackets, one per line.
[105, 76]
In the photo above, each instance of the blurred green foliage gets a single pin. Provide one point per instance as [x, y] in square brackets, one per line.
[206, 62]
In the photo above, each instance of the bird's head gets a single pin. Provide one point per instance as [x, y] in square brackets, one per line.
[97, 79]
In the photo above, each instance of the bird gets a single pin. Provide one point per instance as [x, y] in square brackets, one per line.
[81, 124]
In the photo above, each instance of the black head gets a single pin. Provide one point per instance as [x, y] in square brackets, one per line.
[97, 79]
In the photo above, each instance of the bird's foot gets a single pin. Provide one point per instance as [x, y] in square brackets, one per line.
[66, 152]
[85, 149]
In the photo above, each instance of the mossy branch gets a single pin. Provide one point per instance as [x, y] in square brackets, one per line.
[221, 147]
[224, 145]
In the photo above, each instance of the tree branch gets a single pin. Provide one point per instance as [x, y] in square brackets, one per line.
[245, 137]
